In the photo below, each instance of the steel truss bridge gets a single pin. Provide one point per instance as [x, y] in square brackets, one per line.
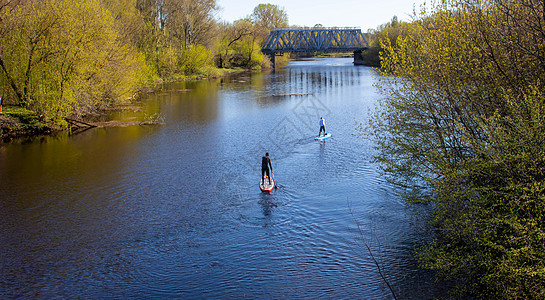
[316, 39]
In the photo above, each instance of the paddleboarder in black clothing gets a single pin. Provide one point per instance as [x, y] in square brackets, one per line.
[265, 163]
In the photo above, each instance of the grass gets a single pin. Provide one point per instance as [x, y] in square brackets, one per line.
[17, 121]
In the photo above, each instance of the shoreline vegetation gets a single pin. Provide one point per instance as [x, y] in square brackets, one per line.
[63, 59]
[18, 122]
[67, 59]
[460, 128]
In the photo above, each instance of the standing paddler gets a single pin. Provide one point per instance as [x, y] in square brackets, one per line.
[322, 126]
[265, 163]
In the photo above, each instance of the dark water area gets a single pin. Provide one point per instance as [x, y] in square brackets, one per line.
[175, 211]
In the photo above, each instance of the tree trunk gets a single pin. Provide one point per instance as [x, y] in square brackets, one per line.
[14, 86]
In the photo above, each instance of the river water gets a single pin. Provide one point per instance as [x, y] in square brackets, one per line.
[175, 211]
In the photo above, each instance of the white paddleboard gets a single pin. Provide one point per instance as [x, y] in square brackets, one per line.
[322, 137]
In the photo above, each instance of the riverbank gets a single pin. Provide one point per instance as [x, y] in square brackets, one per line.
[189, 189]
[17, 122]
[219, 73]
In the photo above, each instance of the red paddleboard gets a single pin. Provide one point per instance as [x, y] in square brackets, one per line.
[265, 186]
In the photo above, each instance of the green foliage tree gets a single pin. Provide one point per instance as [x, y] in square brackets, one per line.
[231, 35]
[191, 21]
[240, 43]
[270, 16]
[463, 118]
[266, 17]
[391, 31]
[176, 26]
[239, 46]
[197, 60]
[64, 58]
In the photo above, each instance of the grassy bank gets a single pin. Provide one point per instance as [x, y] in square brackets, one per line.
[18, 122]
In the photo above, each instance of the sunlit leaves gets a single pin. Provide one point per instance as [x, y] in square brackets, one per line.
[270, 16]
[67, 57]
[464, 114]
[172, 28]
[241, 41]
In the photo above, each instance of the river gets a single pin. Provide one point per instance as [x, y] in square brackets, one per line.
[175, 211]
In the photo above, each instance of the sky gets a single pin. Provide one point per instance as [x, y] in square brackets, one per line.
[366, 14]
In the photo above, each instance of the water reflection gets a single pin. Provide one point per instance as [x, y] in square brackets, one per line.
[267, 204]
[175, 211]
[199, 106]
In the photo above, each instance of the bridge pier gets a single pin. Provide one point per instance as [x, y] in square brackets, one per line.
[271, 57]
[358, 58]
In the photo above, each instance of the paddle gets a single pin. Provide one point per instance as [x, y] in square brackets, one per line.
[275, 185]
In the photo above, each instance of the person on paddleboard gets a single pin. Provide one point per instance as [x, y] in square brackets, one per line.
[265, 163]
[322, 126]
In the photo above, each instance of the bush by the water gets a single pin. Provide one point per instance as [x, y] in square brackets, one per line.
[68, 58]
[463, 121]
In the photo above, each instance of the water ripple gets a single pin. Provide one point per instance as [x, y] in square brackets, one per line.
[176, 212]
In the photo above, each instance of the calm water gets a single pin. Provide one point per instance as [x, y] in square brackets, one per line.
[175, 210]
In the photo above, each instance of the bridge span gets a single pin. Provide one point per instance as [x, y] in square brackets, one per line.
[316, 39]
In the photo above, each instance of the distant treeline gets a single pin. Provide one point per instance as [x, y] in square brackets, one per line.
[376, 37]
[462, 129]
[68, 58]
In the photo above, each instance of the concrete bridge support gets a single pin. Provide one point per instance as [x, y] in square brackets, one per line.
[271, 57]
[358, 58]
